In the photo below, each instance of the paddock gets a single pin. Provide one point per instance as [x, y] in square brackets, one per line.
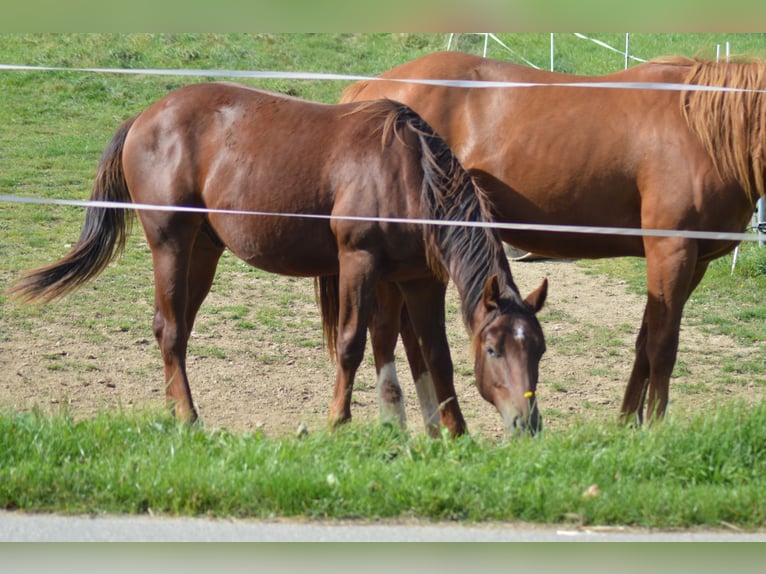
[259, 368]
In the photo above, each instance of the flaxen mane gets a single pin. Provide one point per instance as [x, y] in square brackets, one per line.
[730, 124]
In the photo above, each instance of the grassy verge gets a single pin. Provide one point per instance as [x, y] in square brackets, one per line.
[709, 470]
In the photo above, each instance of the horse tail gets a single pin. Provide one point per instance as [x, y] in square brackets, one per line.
[328, 295]
[102, 237]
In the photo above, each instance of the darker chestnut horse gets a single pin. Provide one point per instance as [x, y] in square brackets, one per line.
[679, 159]
[325, 181]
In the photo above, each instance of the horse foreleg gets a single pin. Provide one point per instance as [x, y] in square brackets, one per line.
[424, 384]
[384, 331]
[666, 336]
[388, 320]
[672, 274]
[358, 279]
[425, 306]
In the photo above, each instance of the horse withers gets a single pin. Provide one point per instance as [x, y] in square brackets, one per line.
[332, 174]
[671, 159]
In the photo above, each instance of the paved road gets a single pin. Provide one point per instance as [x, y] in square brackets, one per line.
[21, 527]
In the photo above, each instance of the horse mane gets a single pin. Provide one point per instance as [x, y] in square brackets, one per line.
[448, 193]
[730, 124]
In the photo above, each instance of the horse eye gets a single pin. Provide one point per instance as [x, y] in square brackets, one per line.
[492, 352]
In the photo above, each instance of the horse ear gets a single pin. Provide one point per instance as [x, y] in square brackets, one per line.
[491, 294]
[536, 299]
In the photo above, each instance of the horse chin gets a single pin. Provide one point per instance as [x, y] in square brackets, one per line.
[519, 425]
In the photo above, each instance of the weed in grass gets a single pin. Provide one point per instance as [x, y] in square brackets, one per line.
[236, 312]
[693, 388]
[746, 366]
[680, 369]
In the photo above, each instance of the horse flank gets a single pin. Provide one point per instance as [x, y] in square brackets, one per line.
[447, 193]
[730, 125]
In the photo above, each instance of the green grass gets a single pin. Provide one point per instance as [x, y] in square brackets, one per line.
[708, 470]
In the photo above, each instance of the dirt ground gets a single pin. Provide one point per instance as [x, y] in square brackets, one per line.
[275, 375]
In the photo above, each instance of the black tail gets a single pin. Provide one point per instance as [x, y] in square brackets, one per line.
[328, 297]
[102, 237]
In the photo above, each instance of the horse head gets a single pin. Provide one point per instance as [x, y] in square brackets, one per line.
[508, 346]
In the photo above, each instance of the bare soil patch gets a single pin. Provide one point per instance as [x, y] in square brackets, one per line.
[256, 360]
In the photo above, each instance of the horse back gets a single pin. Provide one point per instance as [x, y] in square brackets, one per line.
[229, 147]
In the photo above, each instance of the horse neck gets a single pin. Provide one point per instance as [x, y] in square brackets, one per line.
[730, 125]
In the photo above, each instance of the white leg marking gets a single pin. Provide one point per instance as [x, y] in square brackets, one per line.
[390, 396]
[429, 406]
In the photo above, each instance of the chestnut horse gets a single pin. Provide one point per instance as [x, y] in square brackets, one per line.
[680, 159]
[220, 149]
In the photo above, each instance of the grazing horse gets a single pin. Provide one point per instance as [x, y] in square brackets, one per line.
[680, 159]
[325, 182]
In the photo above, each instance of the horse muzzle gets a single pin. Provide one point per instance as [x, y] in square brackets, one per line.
[526, 421]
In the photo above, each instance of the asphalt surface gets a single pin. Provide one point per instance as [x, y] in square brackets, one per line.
[22, 527]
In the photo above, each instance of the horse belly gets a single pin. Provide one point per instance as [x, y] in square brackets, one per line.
[279, 245]
[546, 196]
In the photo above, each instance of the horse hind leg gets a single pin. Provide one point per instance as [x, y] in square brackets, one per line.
[178, 293]
[206, 253]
